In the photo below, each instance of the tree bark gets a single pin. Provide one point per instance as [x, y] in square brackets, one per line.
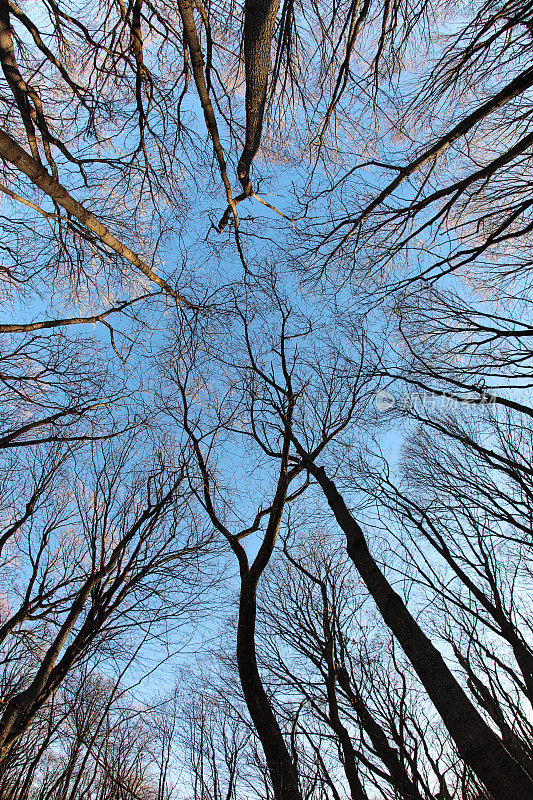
[259, 20]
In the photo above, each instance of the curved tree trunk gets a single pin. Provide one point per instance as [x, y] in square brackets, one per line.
[282, 770]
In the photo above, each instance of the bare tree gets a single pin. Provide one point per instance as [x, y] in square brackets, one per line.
[103, 553]
[165, 391]
[474, 738]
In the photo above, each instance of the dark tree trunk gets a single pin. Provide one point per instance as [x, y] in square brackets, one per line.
[259, 20]
[282, 770]
[477, 744]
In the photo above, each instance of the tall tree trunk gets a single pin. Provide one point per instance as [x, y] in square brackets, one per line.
[477, 744]
[280, 765]
[259, 20]
[282, 770]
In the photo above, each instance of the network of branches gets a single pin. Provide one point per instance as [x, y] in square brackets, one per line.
[266, 474]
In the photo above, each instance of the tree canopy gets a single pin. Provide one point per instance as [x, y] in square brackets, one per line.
[266, 489]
